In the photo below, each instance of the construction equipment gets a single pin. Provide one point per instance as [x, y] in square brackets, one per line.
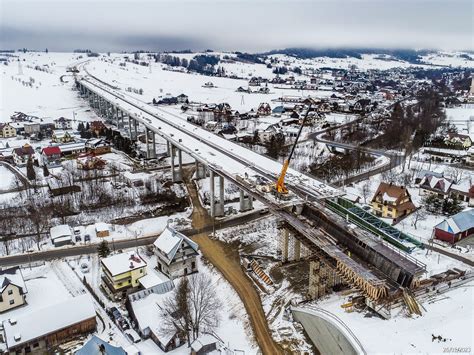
[280, 187]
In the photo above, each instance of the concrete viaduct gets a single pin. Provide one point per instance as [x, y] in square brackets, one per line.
[305, 216]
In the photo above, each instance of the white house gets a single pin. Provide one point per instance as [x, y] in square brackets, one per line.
[176, 253]
[12, 289]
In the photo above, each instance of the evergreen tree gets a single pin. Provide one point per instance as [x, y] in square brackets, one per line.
[103, 249]
[30, 170]
[45, 170]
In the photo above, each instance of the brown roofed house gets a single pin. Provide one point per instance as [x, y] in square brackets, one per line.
[392, 201]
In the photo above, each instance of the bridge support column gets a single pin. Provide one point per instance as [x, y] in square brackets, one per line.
[99, 105]
[246, 202]
[173, 176]
[130, 127]
[121, 114]
[135, 129]
[284, 242]
[296, 249]
[200, 170]
[219, 210]
[211, 194]
[179, 172]
[153, 144]
[147, 143]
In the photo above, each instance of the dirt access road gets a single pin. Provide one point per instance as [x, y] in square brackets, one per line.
[226, 260]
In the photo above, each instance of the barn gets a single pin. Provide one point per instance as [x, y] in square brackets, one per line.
[455, 228]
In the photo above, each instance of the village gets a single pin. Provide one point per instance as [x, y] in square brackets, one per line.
[111, 219]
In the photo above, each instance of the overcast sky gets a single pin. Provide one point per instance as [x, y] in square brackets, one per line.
[247, 25]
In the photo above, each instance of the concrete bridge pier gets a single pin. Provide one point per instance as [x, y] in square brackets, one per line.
[130, 127]
[200, 170]
[150, 143]
[217, 209]
[284, 243]
[296, 249]
[220, 205]
[246, 202]
[135, 129]
[179, 172]
[99, 105]
[211, 194]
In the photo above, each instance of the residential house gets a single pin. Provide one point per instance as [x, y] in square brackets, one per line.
[90, 162]
[61, 235]
[12, 289]
[32, 128]
[7, 130]
[63, 123]
[23, 154]
[434, 185]
[97, 346]
[73, 148]
[51, 156]
[392, 201]
[121, 274]
[98, 146]
[176, 253]
[264, 109]
[40, 331]
[144, 312]
[459, 140]
[470, 157]
[61, 136]
[97, 127]
[455, 228]
[267, 131]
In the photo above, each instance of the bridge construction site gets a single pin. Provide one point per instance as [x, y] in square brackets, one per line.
[311, 228]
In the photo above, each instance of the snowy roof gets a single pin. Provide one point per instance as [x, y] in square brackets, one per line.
[203, 340]
[147, 311]
[458, 223]
[51, 150]
[153, 278]
[12, 276]
[60, 231]
[101, 227]
[37, 323]
[169, 241]
[124, 262]
[436, 183]
[92, 347]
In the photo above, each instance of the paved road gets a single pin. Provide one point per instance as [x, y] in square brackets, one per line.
[117, 244]
[395, 159]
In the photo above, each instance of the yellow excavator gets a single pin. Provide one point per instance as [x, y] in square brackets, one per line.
[280, 187]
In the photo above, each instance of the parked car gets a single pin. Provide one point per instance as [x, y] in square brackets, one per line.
[133, 336]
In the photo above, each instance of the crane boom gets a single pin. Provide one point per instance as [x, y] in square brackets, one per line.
[280, 185]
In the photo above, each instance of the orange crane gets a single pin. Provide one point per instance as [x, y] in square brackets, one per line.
[280, 184]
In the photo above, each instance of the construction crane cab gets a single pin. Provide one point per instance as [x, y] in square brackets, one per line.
[279, 187]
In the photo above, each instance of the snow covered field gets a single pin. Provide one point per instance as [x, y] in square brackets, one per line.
[47, 97]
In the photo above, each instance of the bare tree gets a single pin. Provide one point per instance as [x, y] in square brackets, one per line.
[365, 189]
[420, 214]
[204, 304]
[192, 308]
